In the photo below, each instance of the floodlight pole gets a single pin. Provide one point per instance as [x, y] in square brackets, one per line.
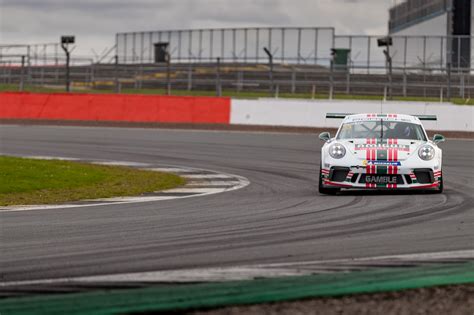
[387, 42]
[65, 41]
[389, 64]
[270, 62]
[68, 54]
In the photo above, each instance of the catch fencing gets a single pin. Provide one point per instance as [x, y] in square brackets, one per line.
[303, 45]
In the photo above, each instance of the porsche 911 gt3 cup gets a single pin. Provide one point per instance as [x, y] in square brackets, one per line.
[380, 151]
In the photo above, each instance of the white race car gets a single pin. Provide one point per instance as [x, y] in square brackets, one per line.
[380, 151]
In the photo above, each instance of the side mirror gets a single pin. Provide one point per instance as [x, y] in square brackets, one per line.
[438, 138]
[325, 136]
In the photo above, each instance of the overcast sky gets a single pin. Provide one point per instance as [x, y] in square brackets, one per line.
[95, 22]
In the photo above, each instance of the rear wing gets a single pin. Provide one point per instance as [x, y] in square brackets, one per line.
[343, 115]
[426, 117]
[338, 115]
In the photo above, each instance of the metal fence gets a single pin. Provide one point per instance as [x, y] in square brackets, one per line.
[49, 54]
[306, 45]
[219, 79]
[421, 65]
[310, 46]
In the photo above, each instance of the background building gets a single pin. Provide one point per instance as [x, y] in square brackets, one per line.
[449, 19]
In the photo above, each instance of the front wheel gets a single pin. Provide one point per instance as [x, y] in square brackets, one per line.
[323, 190]
[440, 186]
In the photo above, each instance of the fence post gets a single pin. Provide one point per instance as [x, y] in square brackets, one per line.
[448, 92]
[441, 95]
[116, 75]
[190, 77]
[168, 75]
[313, 92]
[239, 81]
[404, 84]
[140, 76]
[135, 81]
[293, 81]
[42, 75]
[9, 76]
[91, 76]
[348, 82]
[218, 78]
[22, 75]
[331, 79]
[390, 77]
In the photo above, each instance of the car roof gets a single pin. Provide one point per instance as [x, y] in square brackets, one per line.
[375, 116]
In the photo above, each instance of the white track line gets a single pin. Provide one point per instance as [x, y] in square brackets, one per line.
[189, 275]
[120, 163]
[211, 183]
[168, 169]
[195, 190]
[207, 176]
[241, 272]
[60, 158]
[460, 254]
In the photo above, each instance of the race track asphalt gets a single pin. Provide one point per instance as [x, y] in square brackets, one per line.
[279, 217]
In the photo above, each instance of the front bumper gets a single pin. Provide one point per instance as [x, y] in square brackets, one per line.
[402, 177]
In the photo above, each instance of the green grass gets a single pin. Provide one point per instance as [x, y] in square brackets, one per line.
[232, 93]
[31, 181]
[27, 88]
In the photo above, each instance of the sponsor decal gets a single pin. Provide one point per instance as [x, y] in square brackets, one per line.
[381, 146]
[378, 118]
[375, 179]
[378, 162]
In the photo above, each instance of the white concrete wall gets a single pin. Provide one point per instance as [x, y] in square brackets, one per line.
[416, 55]
[307, 113]
[437, 26]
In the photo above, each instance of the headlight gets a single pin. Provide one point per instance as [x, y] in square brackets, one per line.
[337, 151]
[426, 152]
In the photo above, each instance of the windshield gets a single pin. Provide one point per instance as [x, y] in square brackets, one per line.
[374, 129]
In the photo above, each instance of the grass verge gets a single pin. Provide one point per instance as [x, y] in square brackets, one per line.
[31, 181]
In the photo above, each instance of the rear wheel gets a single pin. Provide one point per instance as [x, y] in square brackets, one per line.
[323, 190]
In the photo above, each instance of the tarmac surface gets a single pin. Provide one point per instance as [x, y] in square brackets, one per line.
[279, 218]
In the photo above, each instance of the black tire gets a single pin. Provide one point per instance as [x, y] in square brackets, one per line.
[439, 190]
[441, 186]
[324, 190]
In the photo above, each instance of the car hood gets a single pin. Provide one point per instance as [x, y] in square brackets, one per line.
[382, 149]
